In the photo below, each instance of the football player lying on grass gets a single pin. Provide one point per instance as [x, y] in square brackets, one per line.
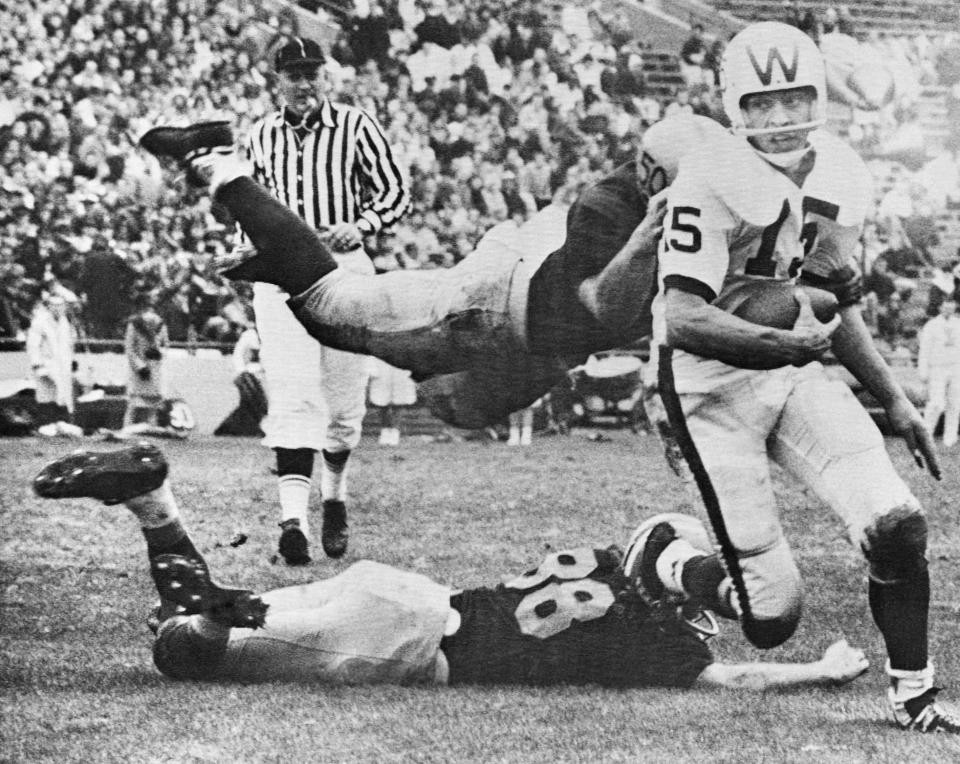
[581, 617]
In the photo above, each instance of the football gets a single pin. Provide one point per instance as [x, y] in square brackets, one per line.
[772, 303]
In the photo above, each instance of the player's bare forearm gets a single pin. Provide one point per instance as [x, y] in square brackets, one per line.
[840, 664]
[621, 292]
[698, 327]
[854, 348]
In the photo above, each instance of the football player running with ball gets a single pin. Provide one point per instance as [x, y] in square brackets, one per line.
[578, 618]
[777, 196]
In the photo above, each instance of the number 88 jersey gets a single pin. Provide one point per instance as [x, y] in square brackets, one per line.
[574, 619]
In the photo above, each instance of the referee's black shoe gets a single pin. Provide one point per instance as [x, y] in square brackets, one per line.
[293, 547]
[185, 144]
[335, 534]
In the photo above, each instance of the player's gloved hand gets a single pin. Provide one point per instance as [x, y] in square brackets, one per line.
[842, 663]
[906, 422]
[646, 236]
[813, 337]
[144, 373]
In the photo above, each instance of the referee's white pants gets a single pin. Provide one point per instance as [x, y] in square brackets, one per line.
[317, 395]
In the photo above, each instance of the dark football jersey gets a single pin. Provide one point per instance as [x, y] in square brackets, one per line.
[574, 619]
[599, 224]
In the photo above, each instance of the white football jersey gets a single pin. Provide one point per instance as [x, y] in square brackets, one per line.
[733, 216]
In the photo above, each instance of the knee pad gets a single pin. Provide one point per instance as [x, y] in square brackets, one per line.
[772, 597]
[895, 545]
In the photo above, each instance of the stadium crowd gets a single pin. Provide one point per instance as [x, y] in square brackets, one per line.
[491, 107]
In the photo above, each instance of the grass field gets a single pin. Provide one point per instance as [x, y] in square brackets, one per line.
[78, 684]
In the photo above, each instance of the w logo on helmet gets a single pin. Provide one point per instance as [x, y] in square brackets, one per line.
[765, 74]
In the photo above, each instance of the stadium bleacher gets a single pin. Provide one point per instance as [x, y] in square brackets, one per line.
[900, 17]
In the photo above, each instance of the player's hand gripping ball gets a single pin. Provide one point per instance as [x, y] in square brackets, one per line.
[774, 303]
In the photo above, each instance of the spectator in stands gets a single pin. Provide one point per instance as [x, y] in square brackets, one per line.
[369, 36]
[879, 281]
[680, 104]
[792, 14]
[711, 62]
[945, 285]
[845, 22]
[436, 28]
[536, 179]
[145, 343]
[829, 20]
[692, 54]
[890, 320]
[938, 365]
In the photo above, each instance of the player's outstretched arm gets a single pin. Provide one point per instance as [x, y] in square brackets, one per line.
[840, 664]
[616, 295]
[855, 349]
[698, 327]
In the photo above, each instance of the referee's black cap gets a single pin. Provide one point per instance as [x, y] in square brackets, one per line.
[298, 52]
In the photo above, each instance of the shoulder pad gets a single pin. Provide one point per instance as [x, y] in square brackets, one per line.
[839, 171]
[738, 177]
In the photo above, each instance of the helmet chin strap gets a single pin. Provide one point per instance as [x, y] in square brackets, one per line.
[784, 159]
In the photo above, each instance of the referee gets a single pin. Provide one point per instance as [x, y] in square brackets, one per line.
[329, 163]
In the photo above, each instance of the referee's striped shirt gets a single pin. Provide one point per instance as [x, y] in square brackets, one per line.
[335, 168]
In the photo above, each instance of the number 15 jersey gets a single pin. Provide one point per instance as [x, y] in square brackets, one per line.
[572, 620]
[732, 217]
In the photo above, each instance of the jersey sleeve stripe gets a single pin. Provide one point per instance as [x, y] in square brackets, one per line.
[691, 285]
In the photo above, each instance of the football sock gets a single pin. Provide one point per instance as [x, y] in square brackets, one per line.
[909, 684]
[294, 468]
[900, 611]
[162, 527]
[333, 476]
[290, 254]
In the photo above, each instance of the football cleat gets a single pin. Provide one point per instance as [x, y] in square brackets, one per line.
[187, 145]
[335, 534]
[111, 476]
[924, 714]
[293, 547]
[187, 583]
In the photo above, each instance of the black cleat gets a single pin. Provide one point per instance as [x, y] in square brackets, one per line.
[187, 583]
[110, 476]
[335, 534]
[184, 144]
[924, 714]
[294, 547]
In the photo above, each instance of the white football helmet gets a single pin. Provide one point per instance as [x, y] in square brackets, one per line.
[767, 57]
[666, 142]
